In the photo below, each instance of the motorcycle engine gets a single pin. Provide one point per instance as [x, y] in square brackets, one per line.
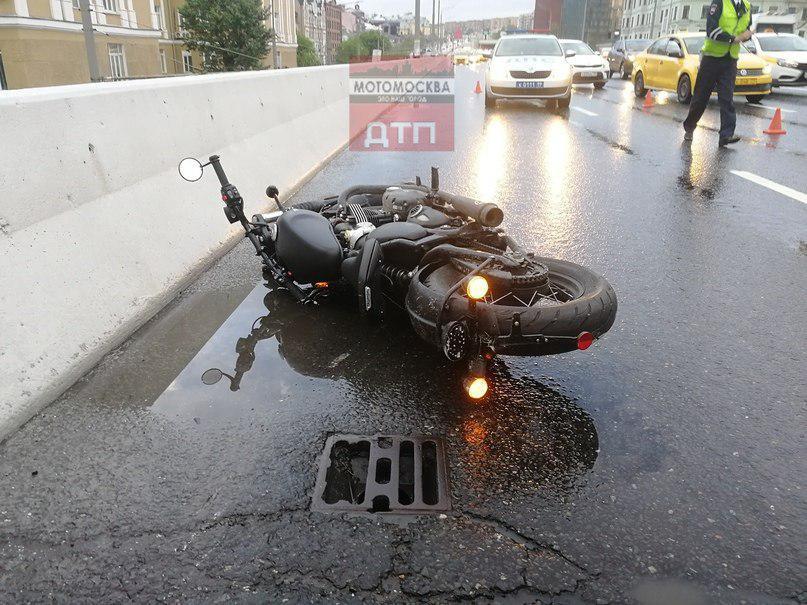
[399, 202]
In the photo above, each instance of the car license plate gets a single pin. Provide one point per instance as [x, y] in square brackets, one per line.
[590, 74]
[529, 84]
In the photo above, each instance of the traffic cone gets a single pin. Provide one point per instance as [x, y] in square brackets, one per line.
[648, 100]
[478, 88]
[776, 124]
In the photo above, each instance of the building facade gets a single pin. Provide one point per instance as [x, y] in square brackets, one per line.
[593, 21]
[310, 20]
[333, 30]
[653, 18]
[281, 19]
[42, 41]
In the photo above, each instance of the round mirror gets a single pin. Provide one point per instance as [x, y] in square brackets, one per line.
[191, 169]
[212, 377]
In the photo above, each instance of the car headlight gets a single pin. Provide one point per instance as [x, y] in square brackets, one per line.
[786, 63]
[767, 70]
[500, 73]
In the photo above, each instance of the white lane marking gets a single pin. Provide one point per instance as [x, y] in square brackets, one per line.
[791, 193]
[585, 111]
[770, 108]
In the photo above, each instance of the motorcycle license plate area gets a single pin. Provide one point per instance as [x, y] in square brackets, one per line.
[529, 84]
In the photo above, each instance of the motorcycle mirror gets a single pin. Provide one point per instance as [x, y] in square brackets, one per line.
[212, 376]
[272, 191]
[191, 169]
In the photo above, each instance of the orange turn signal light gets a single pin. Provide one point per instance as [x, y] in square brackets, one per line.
[477, 287]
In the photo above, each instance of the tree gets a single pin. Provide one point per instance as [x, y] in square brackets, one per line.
[306, 53]
[231, 34]
[362, 46]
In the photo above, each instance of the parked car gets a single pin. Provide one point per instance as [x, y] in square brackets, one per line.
[620, 59]
[672, 63]
[787, 54]
[587, 66]
[466, 56]
[529, 66]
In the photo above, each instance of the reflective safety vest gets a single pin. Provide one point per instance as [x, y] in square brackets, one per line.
[731, 24]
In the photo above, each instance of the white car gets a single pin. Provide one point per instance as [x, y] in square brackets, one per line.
[787, 54]
[528, 66]
[588, 67]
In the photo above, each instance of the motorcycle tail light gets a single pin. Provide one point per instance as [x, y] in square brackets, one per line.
[476, 388]
[585, 340]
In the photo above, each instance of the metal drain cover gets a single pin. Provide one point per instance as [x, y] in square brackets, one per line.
[382, 474]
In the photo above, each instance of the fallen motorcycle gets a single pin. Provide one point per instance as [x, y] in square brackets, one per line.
[442, 259]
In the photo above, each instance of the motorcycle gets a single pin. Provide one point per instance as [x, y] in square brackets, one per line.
[441, 259]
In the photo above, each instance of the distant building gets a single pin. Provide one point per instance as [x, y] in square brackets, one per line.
[653, 18]
[282, 18]
[310, 18]
[548, 16]
[333, 30]
[593, 21]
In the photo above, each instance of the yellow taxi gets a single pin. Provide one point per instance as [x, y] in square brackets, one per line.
[671, 63]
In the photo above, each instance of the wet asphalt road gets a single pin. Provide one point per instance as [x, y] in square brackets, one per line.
[665, 465]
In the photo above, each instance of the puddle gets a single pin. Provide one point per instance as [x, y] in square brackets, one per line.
[305, 371]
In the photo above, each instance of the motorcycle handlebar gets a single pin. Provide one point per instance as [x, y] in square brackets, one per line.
[216, 163]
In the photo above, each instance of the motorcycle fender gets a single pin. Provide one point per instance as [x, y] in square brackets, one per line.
[370, 261]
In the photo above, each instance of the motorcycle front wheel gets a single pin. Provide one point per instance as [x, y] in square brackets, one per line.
[529, 318]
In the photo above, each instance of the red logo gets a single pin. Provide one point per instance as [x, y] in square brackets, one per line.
[402, 105]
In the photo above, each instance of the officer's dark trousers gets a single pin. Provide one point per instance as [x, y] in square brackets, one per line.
[715, 73]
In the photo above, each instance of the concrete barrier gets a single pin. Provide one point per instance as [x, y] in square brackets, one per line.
[97, 230]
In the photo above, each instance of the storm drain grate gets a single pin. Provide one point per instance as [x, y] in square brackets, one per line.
[382, 474]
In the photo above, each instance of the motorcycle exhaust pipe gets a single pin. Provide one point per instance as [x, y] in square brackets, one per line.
[486, 214]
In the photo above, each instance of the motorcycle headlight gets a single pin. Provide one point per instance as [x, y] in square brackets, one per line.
[767, 70]
[786, 63]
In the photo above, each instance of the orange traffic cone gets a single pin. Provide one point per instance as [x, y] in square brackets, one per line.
[648, 100]
[776, 124]
[478, 88]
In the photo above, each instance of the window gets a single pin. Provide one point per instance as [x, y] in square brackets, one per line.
[163, 61]
[187, 62]
[791, 10]
[685, 12]
[537, 46]
[117, 61]
[772, 10]
[111, 6]
[674, 49]
[704, 11]
[658, 48]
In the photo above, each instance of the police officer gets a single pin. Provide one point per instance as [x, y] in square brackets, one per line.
[727, 26]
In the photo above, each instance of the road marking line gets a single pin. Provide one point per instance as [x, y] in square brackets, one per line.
[770, 108]
[791, 193]
[586, 112]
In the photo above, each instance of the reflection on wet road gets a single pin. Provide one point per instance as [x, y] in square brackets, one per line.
[665, 463]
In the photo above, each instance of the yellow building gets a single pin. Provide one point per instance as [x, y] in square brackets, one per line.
[42, 41]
